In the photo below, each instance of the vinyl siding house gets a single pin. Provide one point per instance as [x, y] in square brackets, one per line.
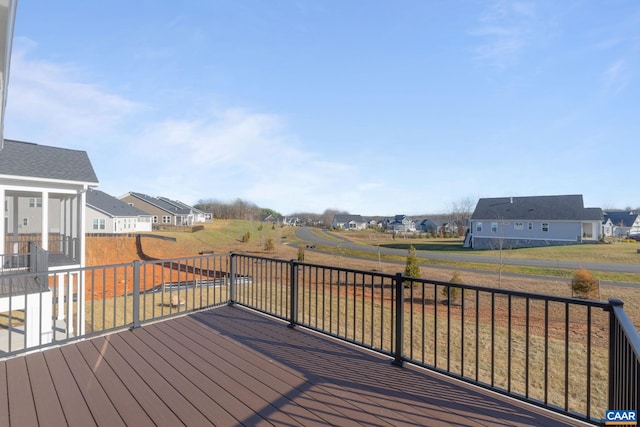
[161, 212]
[106, 215]
[427, 225]
[197, 214]
[622, 223]
[44, 192]
[349, 222]
[517, 222]
[401, 224]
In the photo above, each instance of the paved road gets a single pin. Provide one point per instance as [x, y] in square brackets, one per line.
[307, 235]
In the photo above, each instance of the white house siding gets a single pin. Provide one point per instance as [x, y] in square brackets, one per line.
[30, 217]
[117, 224]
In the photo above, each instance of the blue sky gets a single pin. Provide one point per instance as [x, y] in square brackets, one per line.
[373, 107]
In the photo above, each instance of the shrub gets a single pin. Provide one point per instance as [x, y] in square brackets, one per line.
[412, 269]
[301, 254]
[453, 292]
[246, 237]
[584, 285]
[269, 245]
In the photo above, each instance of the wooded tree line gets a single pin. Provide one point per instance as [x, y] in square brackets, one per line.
[237, 209]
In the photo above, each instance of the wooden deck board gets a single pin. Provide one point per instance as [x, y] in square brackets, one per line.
[48, 410]
[97, 400]
[123, 400]
[165, 359]
[310, 388]
[230, 366]
[264, 382]
[278, 377]
[22, 410]
[68, 393]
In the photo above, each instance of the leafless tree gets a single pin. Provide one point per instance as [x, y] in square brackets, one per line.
[461, 211]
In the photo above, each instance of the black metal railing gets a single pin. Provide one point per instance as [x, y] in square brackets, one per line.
[576, 357]
[554, 352]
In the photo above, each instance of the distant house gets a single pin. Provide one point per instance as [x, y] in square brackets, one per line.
[349, 222]
[401, 224]
[516, 222]
[106, 214]
[622, 223]
[161, 211]
[427, 225]
[271, 218]
[197, 214]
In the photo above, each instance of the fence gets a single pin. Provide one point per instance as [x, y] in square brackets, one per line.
[572, 356]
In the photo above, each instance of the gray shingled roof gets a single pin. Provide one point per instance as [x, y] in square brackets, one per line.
[551, 208]
[161, 204]
[625, 218]
[111, 206]
[42, 161]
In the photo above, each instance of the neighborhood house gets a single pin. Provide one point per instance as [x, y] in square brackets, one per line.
[517, 222]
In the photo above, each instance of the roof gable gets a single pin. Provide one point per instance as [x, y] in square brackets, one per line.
[24, 159]
[622, 218]
[110, 205]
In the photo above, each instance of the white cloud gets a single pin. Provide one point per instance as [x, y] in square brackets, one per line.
[616, 76]
[504, 30]
[221, 153]
[48, 102]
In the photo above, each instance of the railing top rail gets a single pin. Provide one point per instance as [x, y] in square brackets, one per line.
[203, 256]
[523, 294]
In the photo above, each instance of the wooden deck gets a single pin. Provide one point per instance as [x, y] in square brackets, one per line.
[230, 366]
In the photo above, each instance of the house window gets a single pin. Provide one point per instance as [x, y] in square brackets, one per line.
[545, 226]
[154, 219]
[166, 219]
[494, 227]
[479, 227]
[530, 226]
[98, 224]
[25, 221]
[35, 202]
[518, 225]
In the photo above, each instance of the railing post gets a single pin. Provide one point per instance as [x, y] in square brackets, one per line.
[293, 307]
[232, 279]
[398, 359]
[136, 295]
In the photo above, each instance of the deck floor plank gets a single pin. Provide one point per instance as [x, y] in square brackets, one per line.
[230, 366]
[231, 382]
[123, 400]
[20, 396]
[48, 410]
[168, 362]
[68, 393]
[296, 386]
[262, 379]
[96, 398]
[4, 396]
[154, 393]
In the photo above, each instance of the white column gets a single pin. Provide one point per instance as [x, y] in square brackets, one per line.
[38, 319]
[15, 224]
[81, 247]
[45, 220]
